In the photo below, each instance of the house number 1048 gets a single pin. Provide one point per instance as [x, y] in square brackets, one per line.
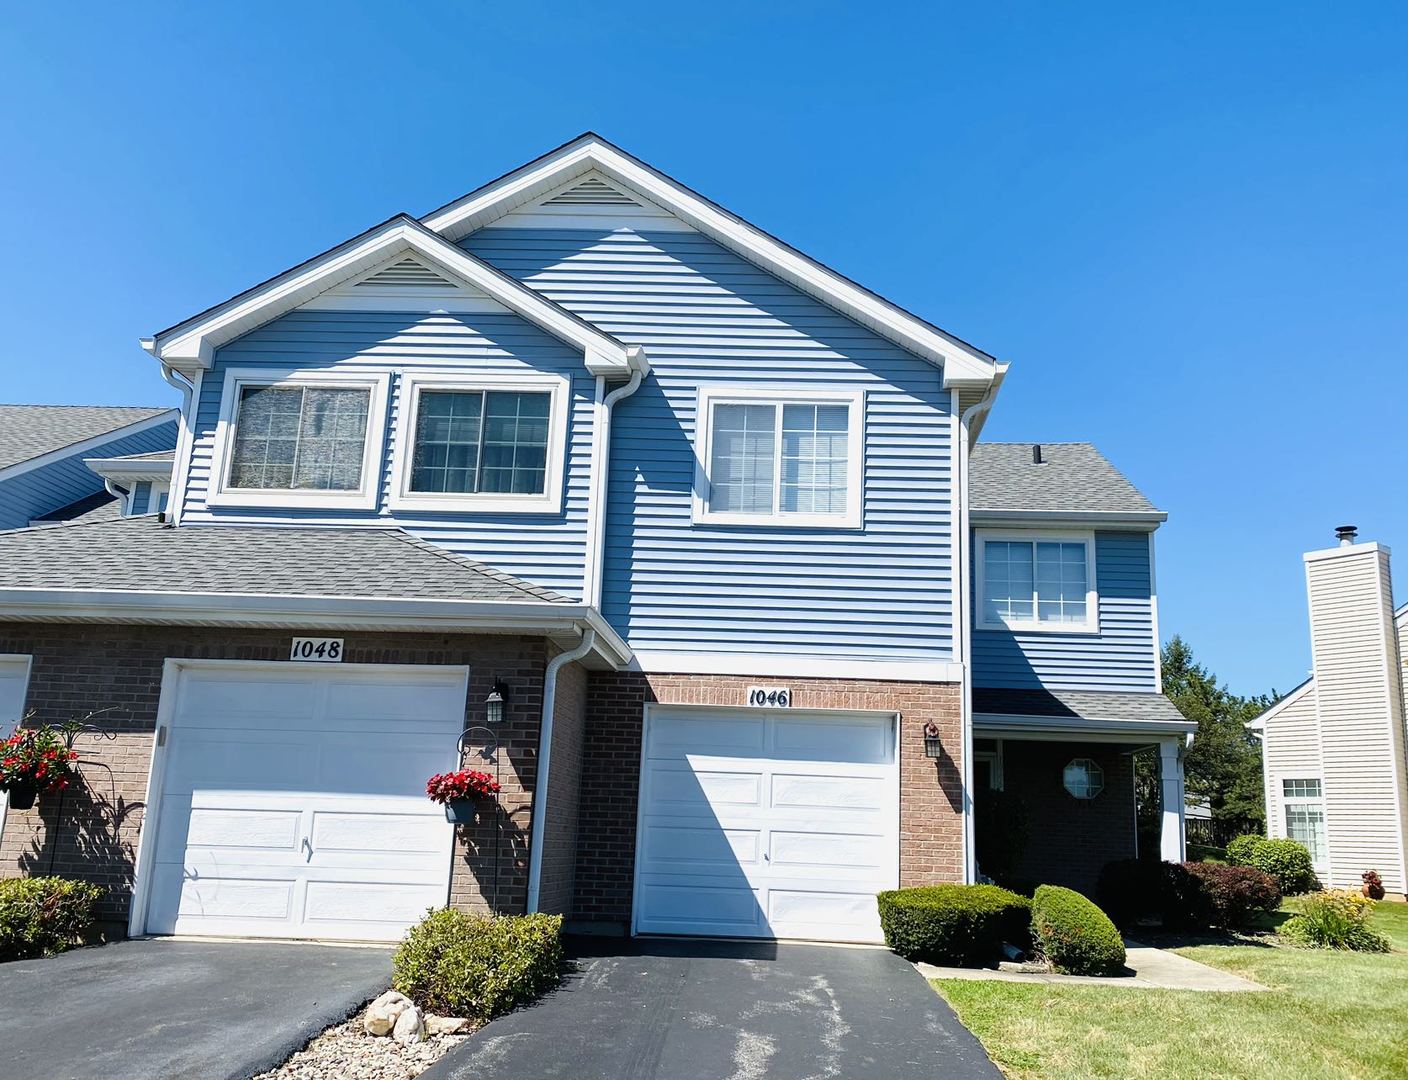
[770, 697]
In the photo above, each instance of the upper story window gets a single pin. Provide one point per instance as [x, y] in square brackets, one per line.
[1305, 816]
[1037, 582]
[480, 443]
[299, 438]
[779, 457]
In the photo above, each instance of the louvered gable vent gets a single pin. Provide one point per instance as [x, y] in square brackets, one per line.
[591, 192]
[406, 274]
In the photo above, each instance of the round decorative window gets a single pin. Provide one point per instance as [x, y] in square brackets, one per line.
[1083, 778]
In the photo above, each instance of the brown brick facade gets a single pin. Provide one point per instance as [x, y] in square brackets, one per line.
[931, 796]
[117, 670]
[1069, 840]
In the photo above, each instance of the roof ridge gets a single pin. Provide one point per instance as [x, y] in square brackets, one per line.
[71, 405]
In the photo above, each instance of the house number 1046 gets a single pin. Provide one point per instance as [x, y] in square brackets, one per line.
[769, 697]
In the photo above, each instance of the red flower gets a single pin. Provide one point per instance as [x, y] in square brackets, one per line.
[465, 784]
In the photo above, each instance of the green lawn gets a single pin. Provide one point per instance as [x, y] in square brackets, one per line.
[1328, 1015]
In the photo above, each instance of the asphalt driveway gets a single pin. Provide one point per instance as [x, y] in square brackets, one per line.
[682, 1010]
[149, 1010]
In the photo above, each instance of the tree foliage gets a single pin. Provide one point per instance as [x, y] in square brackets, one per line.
[1223, 766]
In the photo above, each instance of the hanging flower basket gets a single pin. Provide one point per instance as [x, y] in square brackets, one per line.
[33, 760]
[460, 792]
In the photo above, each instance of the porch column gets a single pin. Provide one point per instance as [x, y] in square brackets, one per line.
[1171, 847]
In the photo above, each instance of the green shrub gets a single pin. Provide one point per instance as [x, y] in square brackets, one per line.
[1131, 889]
[1075, 935]
[40, 916]
[1288, 861]
[1335, 920]
[478, 966]
[962, 925]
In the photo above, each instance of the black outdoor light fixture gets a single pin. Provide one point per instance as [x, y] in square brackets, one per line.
[494, 704]
[932, 747]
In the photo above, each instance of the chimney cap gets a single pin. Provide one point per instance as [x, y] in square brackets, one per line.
[1346, 534]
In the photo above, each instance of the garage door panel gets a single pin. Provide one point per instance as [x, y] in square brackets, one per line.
[239, 827]
[384, 765]
[205, 761]
[393, 905]
[211, 700]
[357, 701]
[270, 901]
[792, 836]
[345, 831]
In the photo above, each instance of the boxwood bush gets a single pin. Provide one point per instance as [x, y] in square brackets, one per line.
[478, 966]
[958, 925]
[1075, 935]
[40, 916]
[1288, 861]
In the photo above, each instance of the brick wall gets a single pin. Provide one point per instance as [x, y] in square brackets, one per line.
[560, 832]
[118, 669]
[1069, 839]
[931, 798]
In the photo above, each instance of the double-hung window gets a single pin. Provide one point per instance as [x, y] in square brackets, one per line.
[1305, 816]
[777, 457]
[300, 438]
[480, 443]
[1037, 582]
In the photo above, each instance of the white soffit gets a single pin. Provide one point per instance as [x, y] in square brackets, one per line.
[591, 155]
[192, 344]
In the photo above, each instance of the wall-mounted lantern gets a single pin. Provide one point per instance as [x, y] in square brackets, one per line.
[932, 747]
[494, 704]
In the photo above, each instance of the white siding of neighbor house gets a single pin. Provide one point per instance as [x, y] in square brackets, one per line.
[1290, 751]
[1360, 707]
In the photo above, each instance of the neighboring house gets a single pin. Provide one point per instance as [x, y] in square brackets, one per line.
[672, 527]
[1333, 749]
[44, 449]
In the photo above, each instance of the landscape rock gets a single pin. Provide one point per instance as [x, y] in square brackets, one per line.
[410, 1026]
[446, 1025]
[383, 1013]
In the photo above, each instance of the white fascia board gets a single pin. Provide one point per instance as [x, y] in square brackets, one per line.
[522, 186]
[130, 469]
[292, 611]
[781, 666]
[1144, 521]
[1078, 728]
[136, 428]
[1259, 723]
[192, 344]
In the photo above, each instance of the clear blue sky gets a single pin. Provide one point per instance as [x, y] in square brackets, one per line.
[1188, 231]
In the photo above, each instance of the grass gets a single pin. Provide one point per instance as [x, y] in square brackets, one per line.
[1329, 1016]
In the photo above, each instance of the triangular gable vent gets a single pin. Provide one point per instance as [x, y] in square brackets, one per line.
[591, 192]
[406, 274]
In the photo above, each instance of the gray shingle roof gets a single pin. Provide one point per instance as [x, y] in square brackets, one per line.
[1089, 704]
[141, 553]
[1072, 476]
[28, 431]
[100, 506]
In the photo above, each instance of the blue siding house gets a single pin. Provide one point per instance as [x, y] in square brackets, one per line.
[688, 537]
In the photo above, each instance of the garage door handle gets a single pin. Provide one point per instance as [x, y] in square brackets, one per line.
[309, 845]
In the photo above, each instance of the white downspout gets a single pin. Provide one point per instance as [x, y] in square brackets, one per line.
[593, 570]
[540, 785]
[965, 619]
[183, 436]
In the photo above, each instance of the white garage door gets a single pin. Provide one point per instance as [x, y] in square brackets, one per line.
[292, 800]
[766, 824]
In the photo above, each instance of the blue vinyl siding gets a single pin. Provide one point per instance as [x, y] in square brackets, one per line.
[705, 316]
[1119, 657]
[66, 480]
[546, 549]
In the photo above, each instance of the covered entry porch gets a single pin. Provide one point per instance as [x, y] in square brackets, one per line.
[1056, 784]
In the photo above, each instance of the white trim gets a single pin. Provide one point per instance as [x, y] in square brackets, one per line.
[1284, 801]
[412, 383]
[171, 672]
[1145, 521]
[19, 468]
[185, 437]
[589, 152]
[779, 396]
[120, 469]
[1154, 615]
[994, 758]
[1292, 696]
[193, 343]
[1173, 843]
[1091, 625]
[786, 665]
[28, 661]
[376, 382]
[1079, 728]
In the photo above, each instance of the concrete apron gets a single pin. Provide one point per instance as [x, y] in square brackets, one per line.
[1149, 969]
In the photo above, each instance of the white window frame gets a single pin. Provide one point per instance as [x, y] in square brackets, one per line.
[236, 379]
[494, 502]
[1091, 625]
[1093, 768]
[1288, 801]
[994, 759]
[780, 396]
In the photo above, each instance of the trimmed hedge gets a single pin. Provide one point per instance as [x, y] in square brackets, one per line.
[40, 916]
[1075, 935]
[1185, 896]
[954, 925]
[478, 966]
[1288, 861]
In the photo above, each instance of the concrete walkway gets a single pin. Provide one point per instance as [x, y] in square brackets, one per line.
[1147, 967]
